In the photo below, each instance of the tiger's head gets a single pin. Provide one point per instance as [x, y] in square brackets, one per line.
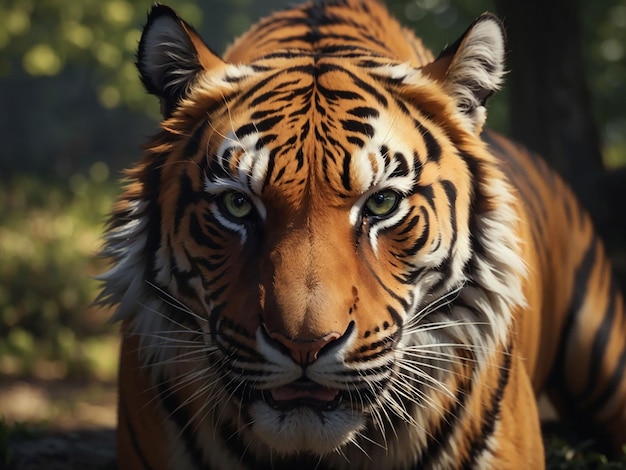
[297, 247]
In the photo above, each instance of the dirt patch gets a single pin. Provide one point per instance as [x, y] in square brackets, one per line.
[58, 425]
[57, 404]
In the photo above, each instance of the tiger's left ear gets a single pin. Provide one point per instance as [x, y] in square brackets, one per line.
[471, 68]
[171, 55]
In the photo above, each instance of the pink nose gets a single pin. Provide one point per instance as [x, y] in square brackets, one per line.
[304, 351]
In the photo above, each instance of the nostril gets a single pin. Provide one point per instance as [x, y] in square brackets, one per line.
[304, 351]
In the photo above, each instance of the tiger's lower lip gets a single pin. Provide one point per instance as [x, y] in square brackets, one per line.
[288, 397]
[294, 392]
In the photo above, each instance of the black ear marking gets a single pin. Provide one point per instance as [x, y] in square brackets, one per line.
[170, 56]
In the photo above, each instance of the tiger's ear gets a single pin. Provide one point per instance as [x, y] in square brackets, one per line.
[471, 68]
[171, 54]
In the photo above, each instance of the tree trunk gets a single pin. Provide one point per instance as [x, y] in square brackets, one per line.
[549, 102]
[550, 106]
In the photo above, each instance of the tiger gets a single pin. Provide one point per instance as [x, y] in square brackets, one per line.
[325, 260]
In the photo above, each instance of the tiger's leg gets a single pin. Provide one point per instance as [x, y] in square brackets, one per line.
[588, 382]
[141, 438]
[517, 442]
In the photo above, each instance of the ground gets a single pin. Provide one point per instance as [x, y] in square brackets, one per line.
[67, 425]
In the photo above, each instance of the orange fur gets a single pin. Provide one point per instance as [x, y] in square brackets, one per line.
[322, 261]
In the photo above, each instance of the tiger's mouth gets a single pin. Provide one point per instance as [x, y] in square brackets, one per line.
[303, 392]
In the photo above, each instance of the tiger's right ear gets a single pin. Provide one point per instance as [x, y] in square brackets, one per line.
[472, 68]
[171, 54]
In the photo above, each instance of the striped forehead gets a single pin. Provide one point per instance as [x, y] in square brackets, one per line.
[240, 163]
[385, 160]
[373, 154]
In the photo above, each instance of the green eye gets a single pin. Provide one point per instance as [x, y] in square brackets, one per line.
[382, 203]
[237, 204]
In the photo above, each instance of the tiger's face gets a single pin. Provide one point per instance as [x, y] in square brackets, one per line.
[313, 217]
[308, 236]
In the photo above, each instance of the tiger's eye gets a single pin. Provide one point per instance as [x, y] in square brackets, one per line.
[382, 203]
[237, 204]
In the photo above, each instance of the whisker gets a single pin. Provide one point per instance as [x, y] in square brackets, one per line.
[442, 325]
[435, 305]
[175, 303]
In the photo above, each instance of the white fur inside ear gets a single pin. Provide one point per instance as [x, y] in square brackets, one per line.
[477, 69]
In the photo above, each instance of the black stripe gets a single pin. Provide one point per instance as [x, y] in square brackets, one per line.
[364, 112]
[360, 127]
[181, 418]
[433, 149]
[402, 167]
[356, 141]
[345, 173]
[151, 180]
[193, 144]
[187, 196]
[258, 127]
[261, 85]
[436, 441]
[230, 436]
[397, 318]
[579, 293]
[423, 238]
[445, 268]
[491, 415]
[411, 225]
[600, 342]
[612, 385]
[427, 192]
[214, 316]
[450, 190]
[198, 234]
[325, 68]
[270, 95]
[334, 95]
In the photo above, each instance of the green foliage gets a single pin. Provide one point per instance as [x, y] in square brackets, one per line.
[45, 37]
[71, 95]
[10, 431]
[563, 455]
[604, 49]
[5, 452]
[49, 238]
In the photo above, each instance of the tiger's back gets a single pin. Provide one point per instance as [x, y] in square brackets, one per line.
[323, 261]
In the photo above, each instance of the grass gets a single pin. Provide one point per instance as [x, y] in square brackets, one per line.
[14, 431]
[565, 455]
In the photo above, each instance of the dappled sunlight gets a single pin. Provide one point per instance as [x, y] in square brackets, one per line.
[49, 238]
[58, 405]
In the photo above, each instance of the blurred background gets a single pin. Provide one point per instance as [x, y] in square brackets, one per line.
[73, 114]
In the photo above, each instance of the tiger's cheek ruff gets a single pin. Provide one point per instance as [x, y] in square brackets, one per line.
[125, 284]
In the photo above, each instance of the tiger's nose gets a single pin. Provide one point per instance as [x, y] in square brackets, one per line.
[304, 351]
